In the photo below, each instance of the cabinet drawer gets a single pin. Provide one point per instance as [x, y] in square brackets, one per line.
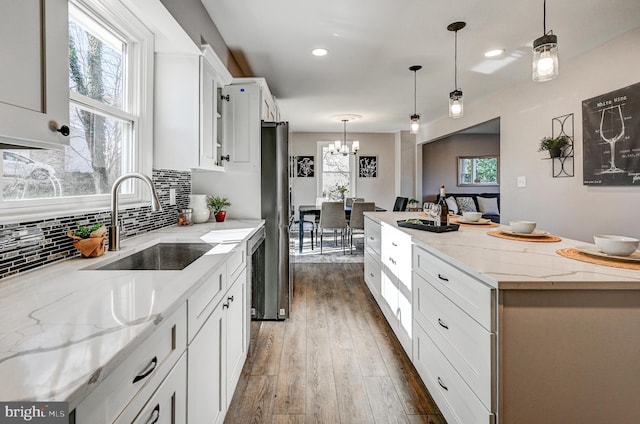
[138, 376]
[372, 274]
[205, 299]
[372, 235]
[168, 405]
[469, 294]
[456, 401]
[395, 251]
[237, 262]
[466, 344]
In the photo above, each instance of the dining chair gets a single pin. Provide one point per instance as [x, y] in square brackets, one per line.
[401, 204]
[349, 201]
[356, 223]
[310, 225]
[332, 217]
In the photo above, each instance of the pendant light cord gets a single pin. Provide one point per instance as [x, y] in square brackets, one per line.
[544, 17]
[415, 102]
[455, 63]
[344, 122]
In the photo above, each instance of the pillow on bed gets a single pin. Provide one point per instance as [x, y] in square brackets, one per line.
[466, 204]
[452, 204]
[488, 205]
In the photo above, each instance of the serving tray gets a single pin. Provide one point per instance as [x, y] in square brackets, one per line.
[426, 225]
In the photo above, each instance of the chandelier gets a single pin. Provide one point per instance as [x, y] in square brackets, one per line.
[342, 147]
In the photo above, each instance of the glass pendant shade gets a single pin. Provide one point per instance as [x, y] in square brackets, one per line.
[545, 58]
[415, 124]
[456, 109]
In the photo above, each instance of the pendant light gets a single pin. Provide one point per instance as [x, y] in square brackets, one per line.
[455, 97]
[415, 118]
[545, 53]
[341, 147]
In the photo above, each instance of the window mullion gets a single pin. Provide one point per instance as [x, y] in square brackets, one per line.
[100, 107]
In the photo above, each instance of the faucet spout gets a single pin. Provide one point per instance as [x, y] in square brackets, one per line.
[114, 231]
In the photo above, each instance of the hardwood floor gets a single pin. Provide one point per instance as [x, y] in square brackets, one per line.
[335, 360]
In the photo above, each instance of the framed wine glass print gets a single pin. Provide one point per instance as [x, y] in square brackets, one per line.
[304, 166]
[368, 166]
[611, 138]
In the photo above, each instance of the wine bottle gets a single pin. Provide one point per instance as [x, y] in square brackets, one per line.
[444, 210]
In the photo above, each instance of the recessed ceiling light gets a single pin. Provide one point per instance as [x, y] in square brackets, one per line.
[494, 53]
[319, 52]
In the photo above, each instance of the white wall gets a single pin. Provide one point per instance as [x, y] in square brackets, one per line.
[380, 190]
[563, 206]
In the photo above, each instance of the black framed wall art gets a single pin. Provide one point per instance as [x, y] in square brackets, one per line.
[304, 166]
[368, 166]
[611, 138]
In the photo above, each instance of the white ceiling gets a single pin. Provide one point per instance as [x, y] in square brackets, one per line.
[372, 43]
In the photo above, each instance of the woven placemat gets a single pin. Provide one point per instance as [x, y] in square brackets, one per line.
[545, 239]
[572, 253]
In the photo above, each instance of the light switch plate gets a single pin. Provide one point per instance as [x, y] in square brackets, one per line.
[172, 196]
[522, 181]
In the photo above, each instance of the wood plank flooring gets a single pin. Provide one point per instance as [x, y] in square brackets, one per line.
[335, 360]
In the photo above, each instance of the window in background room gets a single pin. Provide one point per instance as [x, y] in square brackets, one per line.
[336, 175]
[105, 97]
[478, 171]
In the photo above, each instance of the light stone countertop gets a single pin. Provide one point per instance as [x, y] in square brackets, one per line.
[510, 264]
[63, 323]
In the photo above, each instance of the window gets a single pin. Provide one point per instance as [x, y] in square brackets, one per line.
[110, 64]
[337, 176]
[478, 171]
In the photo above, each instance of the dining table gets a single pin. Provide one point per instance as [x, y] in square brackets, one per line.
[304, 210]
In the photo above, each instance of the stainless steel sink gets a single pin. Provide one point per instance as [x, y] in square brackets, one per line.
[161, 256]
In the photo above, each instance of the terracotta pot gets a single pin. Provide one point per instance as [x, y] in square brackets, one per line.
[220, 216]
[91, 247]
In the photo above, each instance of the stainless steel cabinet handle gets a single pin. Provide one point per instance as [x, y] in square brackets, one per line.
[155, 415]
[442, 384]
[442, 324]
[145, 374]
[442, 277]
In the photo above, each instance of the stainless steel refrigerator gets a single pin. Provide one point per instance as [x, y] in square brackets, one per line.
[271, 298]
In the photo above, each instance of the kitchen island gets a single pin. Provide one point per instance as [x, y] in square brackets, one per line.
[66, 327]
[509, 331]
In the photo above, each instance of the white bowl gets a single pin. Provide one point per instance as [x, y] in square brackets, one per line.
[472, 216]
[524, 227]
[616, 245]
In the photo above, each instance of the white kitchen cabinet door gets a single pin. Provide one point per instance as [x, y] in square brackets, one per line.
[236, 347]
[34, 88]
[242, 127]
[213, 76]
[206, 401]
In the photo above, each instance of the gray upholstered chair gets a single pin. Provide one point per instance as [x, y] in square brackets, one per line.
[348, 201]
[356, 223]
[332, 217]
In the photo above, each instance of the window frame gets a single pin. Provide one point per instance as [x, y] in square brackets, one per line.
[114, 16]
[461, 183]
[320, 169]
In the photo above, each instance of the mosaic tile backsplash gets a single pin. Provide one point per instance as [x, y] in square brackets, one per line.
[28, 245]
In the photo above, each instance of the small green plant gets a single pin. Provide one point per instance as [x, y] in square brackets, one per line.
[550, 143]
[217, 204]
[85, 232]
[412, 201]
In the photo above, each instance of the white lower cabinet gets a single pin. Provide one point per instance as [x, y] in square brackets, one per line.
[168, 405]
[218, 351]
[129, 386]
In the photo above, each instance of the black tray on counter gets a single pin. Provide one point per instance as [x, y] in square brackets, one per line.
[427, 225]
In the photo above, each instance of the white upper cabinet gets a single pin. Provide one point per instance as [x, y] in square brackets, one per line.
[34, 87]
[213, 76]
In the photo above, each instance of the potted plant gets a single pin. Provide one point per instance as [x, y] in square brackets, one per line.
[90, 241]
[555, 145]
[412, 203]
[217, 205]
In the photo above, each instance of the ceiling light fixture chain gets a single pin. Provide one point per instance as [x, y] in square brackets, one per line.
[342, 147]
[415, 118]
[455, 97]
